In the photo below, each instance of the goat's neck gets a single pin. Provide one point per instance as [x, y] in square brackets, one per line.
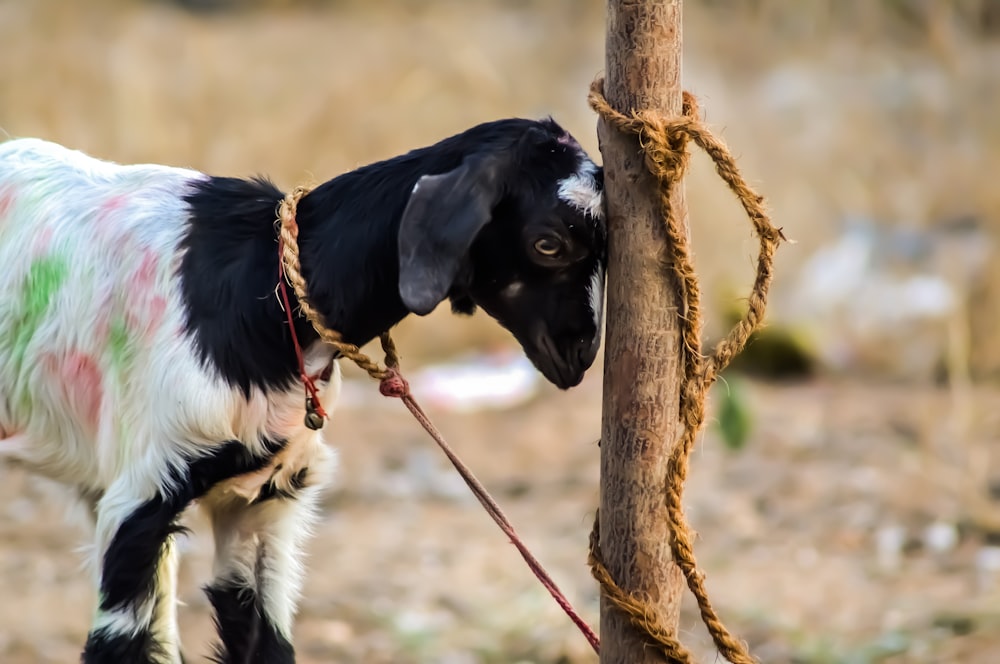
[230, 268]
[349, 256]
[349, 229]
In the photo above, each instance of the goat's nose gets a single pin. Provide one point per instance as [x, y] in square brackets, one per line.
[585, 350]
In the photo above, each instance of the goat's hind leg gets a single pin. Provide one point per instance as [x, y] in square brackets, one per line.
[135, 537]
[164, 623]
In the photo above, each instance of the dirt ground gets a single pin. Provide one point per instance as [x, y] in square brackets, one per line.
[835, 535]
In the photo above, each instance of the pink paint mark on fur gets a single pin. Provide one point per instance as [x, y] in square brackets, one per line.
[145, 309]
[109, 230]
[145, 276]
[50, 362]
[101, 330]
[7, 200]
[111, 206]
[567, 139]
[146, 319]
[102, 326]
[42, 242]
[81, 372]
[157, 310]
[79, 377]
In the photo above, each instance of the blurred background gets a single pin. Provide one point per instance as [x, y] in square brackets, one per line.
[847, 489]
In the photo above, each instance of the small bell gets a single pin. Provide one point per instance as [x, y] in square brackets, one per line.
[313, 419]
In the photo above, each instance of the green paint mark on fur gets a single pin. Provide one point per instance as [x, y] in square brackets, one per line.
[120, 347]
[44, 279]
[121, 353]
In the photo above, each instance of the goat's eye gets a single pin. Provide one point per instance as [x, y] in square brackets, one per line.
[548, 246]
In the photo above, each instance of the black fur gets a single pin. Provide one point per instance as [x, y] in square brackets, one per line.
[228, 278]
[247, 636]
[104, 648]
[132, 557]
[349, 229]
[270, 491]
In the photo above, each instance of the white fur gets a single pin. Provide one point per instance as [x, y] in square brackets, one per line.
[513, 289]
[595, 292]
[581, 191]
[99, 229]
[123, 621]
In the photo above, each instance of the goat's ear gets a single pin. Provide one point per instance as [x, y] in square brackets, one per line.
[442, 218]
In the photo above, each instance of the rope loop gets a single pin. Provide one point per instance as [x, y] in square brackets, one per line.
[664, 145]
[288, 234]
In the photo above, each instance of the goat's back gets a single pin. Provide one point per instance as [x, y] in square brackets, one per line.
[95, 366]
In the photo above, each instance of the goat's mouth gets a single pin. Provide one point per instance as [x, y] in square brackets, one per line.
[562, 371]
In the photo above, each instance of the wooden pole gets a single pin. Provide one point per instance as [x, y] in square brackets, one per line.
[642, 370]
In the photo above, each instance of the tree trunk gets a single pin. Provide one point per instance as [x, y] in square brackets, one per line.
[642, 372]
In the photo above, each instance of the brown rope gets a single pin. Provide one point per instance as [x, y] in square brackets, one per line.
[289, 236]
[664, 144]
[642, 617]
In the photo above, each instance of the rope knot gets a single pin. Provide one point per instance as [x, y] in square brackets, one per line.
[393, 384]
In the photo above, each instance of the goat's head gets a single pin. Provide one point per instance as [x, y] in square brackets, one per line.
[518, 230]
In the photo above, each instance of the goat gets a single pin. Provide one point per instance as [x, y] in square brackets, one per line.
[146, 362]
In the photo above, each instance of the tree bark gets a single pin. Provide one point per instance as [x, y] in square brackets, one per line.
[642, 370]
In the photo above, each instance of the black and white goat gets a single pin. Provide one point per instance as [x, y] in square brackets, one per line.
[146, 361]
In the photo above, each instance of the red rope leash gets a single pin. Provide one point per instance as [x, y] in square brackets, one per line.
[307, 380]
[395, 385]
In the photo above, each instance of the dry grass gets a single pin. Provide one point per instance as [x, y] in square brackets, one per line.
[828, 120]
[831, 111]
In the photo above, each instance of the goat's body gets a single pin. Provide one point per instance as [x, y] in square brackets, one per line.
[146, 361]
[98, 379]
[100, 385]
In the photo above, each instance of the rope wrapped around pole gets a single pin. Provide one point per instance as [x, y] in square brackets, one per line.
[664, 144]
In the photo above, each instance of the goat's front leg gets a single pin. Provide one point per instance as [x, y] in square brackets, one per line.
[258, 571]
